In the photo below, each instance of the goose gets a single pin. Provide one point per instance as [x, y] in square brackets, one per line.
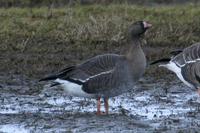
[108, 75]
[185, 64]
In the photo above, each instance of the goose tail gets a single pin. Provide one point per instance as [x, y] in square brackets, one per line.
[51, 77]
[62, 73]
[160, 61]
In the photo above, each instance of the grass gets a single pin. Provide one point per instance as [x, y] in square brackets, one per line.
[35, 41]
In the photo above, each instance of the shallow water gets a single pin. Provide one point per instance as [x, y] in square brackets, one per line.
[153, 106]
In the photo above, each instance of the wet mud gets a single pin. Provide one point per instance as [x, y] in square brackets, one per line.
[154, 105]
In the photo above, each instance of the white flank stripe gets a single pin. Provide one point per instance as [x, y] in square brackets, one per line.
[93, 76]
[99, 74]
[188, 62]
[177, 70]
[73, 89]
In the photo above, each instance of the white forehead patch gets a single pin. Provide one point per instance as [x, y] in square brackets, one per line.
[146, 25]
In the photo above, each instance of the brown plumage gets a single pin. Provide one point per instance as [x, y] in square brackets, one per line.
[106, 75]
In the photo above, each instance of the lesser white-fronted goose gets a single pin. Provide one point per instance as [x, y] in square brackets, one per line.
[186, 64]
[106, 75]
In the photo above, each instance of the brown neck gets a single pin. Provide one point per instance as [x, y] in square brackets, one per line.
[135, 49]
[136, 58]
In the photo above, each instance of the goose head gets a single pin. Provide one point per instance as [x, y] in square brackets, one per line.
[137, 29]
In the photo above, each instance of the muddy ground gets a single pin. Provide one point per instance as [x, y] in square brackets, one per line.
[154, 105]
[37, 41]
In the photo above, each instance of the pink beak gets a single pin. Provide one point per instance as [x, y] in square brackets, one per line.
[147, 25]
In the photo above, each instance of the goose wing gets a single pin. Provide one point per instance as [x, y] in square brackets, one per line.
[100, 83]
[189, 55]
[191, 73]
[96, 65]
[87, 69]
[108, 81]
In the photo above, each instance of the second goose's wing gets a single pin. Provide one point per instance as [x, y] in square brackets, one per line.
[189, 55]
[191, 73]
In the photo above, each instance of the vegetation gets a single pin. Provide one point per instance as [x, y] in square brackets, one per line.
[35, 41]
[61, 3]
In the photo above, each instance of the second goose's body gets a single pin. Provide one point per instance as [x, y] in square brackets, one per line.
[186, 65]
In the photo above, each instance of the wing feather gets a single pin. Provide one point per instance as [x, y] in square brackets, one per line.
[189, 55]
[94, 66]
[100, 83]
[191, 73]
[108, 81]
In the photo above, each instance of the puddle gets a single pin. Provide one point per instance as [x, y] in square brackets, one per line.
[10, 128]
[150, 108]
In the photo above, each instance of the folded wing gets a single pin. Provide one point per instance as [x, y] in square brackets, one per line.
[191, 73]
[189, 55]
[92, 67]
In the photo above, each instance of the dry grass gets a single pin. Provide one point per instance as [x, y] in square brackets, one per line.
[39, 40]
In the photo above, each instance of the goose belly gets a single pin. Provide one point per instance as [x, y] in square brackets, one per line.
[177, 70]
[73, 89]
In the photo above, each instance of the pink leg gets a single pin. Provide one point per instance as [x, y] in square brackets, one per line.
[98, 106]
[106, 105]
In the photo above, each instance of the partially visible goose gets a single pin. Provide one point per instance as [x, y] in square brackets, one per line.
[186, 65]
[106, 75]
